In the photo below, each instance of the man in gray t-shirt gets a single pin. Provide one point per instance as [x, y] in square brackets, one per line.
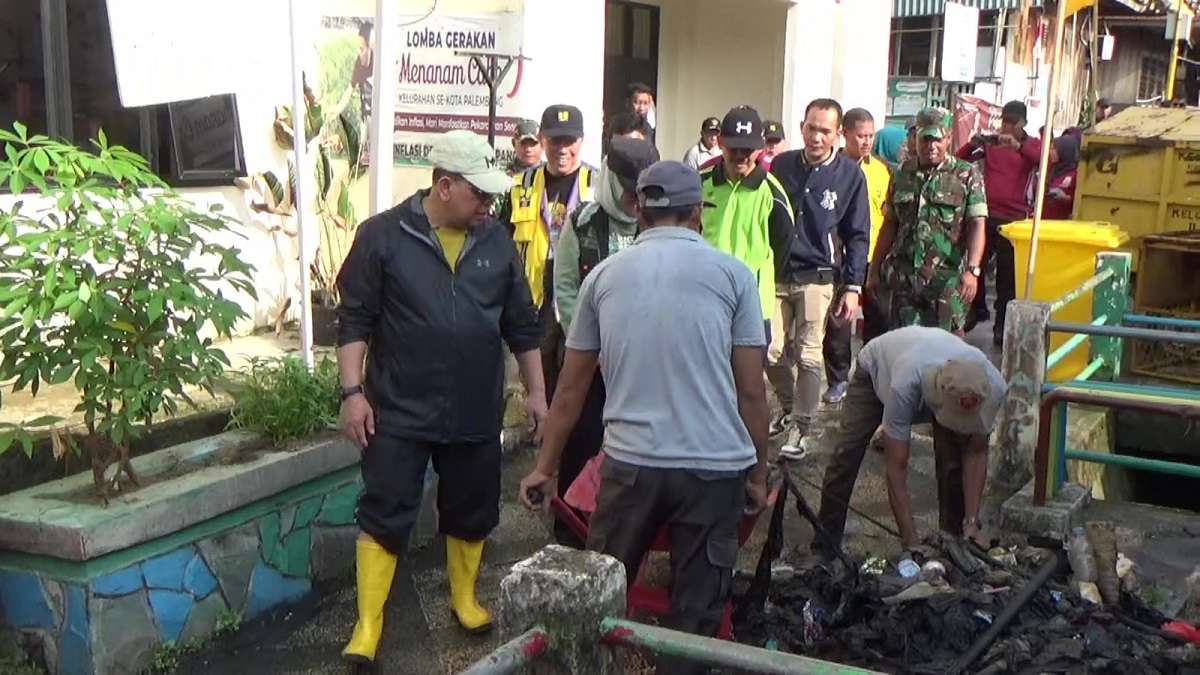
[903, 378]
[677, 328]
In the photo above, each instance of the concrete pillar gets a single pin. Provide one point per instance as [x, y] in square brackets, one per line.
[808, 60]
[1024, 368]
[568, 593]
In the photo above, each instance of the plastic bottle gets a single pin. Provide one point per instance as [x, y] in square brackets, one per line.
[1079, 553]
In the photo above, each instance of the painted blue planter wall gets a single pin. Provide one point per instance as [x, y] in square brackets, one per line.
[111, 614]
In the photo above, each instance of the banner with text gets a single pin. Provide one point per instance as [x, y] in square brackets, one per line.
[438, 89]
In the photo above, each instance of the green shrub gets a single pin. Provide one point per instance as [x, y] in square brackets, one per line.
[99, 286]
[281, 398]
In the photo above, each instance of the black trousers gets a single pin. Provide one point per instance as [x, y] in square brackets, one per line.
[836, 350]
[862, 413]
[1006, 274]
[584, 443]
[702, 511]
[554, 349]
[393, 470]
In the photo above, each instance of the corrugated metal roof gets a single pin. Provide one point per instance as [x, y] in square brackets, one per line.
[1169, 124]
[903, 8]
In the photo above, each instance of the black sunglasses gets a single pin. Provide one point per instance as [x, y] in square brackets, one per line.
[479, 194]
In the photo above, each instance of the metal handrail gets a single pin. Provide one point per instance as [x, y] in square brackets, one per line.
[530, 646]
[1172, 321]
[1125, 332]
[512, 655]
[713, 652]
[1062, 395]
[1074, 294]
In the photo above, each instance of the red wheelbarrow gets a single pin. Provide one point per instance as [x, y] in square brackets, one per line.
[641, 597]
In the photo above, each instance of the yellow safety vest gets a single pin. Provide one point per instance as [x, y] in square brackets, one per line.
[530, 230]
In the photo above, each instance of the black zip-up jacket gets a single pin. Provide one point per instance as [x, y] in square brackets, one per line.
[435, 361]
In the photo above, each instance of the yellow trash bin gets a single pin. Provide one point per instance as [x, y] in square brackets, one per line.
[1066, 258]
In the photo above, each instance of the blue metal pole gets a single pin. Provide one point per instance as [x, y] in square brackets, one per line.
[1172, 322]
[1125, 332]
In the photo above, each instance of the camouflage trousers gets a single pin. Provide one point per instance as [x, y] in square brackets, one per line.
[934, 302]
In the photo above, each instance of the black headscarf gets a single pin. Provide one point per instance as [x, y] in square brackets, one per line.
[1067, 147]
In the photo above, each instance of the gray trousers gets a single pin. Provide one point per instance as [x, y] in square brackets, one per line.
[862, 413]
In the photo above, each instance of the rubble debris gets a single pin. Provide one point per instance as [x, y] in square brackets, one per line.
[883, 621]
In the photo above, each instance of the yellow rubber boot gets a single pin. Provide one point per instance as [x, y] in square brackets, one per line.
[375, 569]
[462, 563]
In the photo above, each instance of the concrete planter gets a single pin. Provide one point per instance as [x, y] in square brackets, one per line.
[103, 588]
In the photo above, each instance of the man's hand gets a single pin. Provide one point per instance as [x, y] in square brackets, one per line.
[535, 483]
[849, 306]
[535, 414]
[357, 420]
[968, 286]
[756, 491]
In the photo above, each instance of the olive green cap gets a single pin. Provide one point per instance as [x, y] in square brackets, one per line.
[934, 123]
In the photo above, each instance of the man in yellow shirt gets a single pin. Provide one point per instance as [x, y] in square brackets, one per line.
[858, 129]
[429, 290]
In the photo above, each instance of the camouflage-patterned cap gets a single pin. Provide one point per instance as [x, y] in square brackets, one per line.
[934, 123]
[526, 129]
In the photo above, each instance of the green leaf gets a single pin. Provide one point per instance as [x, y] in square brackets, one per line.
[41, 160]
[43, 421]
[154, 309]
[85, 291]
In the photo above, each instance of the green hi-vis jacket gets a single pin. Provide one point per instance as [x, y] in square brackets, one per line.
[752, 221]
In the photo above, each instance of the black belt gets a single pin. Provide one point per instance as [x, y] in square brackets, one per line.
[821, 276]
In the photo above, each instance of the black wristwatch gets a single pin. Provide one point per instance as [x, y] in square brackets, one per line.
[347, 392]
[975, 270]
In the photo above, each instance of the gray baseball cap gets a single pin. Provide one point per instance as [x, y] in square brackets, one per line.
[469, 155]
[670, 184]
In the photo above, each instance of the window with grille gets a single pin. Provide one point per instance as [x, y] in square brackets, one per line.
[1152, 76]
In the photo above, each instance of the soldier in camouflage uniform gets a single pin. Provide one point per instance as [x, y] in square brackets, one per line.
[931, 244]
[527, 153]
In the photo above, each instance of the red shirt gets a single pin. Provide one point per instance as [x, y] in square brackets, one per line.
[1060, 209]
[1006, 175]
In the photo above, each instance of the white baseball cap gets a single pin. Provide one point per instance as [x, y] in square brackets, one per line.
[468, 154]
[964, 395]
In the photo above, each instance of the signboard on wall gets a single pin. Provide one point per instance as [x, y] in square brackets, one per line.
[906, 98]
[960, 40]
[437, 90]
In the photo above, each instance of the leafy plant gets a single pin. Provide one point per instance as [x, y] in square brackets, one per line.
[283, 399]
[327, 132]
[108, 279]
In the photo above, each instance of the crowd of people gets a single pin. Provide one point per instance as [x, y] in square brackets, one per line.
[648, 304]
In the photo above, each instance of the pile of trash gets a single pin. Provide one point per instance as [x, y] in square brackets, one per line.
[948, 607]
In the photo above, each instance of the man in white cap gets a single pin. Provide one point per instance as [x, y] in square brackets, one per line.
[680, 327]
[426, 288]
[903, 378]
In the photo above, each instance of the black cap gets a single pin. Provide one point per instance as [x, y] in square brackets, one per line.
[629, 157]
[1014, 110]
[1103, 103]
[710, 124]
[742, 129]
[773, 131]
[562, 121]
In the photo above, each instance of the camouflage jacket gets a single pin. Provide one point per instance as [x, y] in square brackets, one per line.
[931, 208]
